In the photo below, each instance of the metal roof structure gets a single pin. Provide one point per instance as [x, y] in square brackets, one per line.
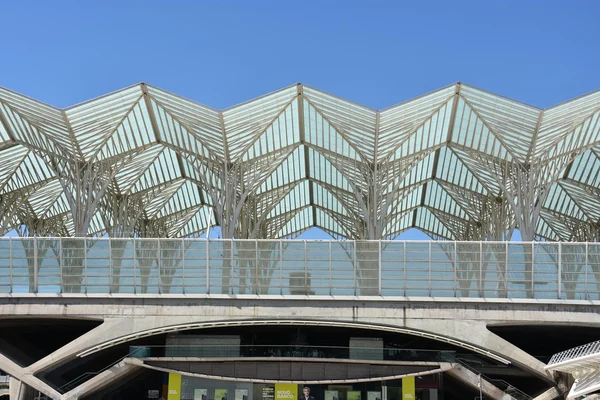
[459, 163]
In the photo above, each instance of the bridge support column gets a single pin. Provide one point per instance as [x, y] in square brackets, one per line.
[476, 333]
[24, 379]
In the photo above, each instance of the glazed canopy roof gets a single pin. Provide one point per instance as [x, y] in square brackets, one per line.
[318, 146]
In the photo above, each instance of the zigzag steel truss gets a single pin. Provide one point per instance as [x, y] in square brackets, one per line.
[458, 163]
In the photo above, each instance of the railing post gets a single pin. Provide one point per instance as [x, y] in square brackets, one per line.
[60, 262]
[354, 263]
[455, 268]
[305, 270]
[429, 274]
[159, 264]
[380, 269]
[231, 269]
[559, 270]
[585, 292]
[10, 266]
[85, 271]
[532, 270]
[207, 265]
[257, 281]
[134, 266]
[480, 284]
[110, 266]
[35, 266]
[280, 267]
[405, 267]
[330, 272]
[183, 264]
[506, 267]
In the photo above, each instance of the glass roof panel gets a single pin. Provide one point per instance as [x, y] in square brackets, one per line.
[328, 200]
[297, 198]
[195, 225]
[514, 123]
[302, 219]
[322, 170]
[290, 170]
[94, 123]
[355, 122]
[187, 196]
[398, 224]
[202, 122]
[430, 223]
[321, 134]
[48, 121]
[437, 197]
[451, 169]
[328, 223]
[587, 198]
[472, 132]
[246, 122]
[25, 132]
[585, 169]
[569, 126]
[424, 121]
[31, 170]
[561, 202]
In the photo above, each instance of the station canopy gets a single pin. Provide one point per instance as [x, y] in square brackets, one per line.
[459, 163]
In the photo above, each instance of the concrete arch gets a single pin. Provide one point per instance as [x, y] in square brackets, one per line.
[292, 322]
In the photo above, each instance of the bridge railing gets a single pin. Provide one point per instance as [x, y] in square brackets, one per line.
[293, 351]
[539, 270]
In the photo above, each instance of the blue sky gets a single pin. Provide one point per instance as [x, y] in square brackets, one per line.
[376, 53]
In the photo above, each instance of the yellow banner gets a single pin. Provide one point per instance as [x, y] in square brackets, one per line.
[174, 387]
[408, 388]
[285, 391]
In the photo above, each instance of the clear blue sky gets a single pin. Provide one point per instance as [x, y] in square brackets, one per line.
[376, 53]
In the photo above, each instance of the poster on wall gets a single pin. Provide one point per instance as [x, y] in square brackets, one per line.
[174, 387]
[241, 394]
[200, 394]
[268, 393]
[354, 395]
[332, 395]
[220, 394]
[408, 388]
[286, 391]
[373, 395]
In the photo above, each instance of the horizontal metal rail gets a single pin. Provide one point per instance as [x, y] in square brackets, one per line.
[293, 351]
[513, 270]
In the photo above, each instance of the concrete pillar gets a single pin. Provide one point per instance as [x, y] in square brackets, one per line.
[19, 390]
[23, 377]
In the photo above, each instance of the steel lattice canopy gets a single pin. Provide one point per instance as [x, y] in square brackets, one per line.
[303, 158]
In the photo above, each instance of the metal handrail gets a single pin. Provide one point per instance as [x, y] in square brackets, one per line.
[576, 352]
[499, 383]
[87, 375]
[293, 351]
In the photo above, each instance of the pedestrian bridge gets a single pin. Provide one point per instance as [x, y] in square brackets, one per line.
[448, 292]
